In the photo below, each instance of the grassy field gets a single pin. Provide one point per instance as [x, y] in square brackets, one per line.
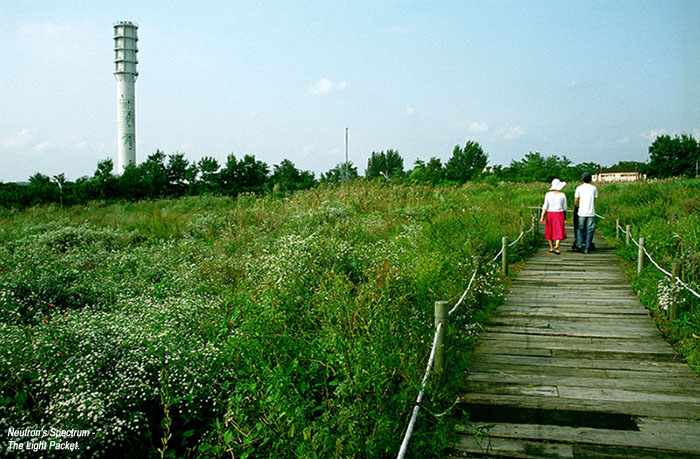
[268, 326]
[667, 214]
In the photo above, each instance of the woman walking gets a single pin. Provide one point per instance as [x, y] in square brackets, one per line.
[554, 208]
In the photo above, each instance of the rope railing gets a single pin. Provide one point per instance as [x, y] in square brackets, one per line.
[419, 399]
[436, 338]
[648, 255]
[500, 252]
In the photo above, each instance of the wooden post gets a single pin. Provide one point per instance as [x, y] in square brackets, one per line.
[673, 307]
[441, 316]
[640, 256]
[628, 236]
[504, 257]
[617, 229]
[477, 262]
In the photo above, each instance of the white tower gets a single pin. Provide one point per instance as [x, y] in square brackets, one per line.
[125, 39]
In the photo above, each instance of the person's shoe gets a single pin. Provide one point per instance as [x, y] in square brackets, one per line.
[585, 252]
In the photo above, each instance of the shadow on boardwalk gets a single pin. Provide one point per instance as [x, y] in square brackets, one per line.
[571, 365]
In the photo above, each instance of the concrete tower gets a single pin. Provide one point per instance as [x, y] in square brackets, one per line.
[125, 49]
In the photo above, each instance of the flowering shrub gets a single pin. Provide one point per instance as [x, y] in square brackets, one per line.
[260, 326]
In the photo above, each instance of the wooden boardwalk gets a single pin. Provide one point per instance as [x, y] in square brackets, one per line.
[571, 365]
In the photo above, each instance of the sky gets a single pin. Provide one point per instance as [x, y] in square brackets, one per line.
[593, 81]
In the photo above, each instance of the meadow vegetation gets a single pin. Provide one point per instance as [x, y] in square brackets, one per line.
[261, 326]
[667, 214]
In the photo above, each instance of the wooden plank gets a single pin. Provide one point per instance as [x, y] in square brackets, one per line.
[570, 332]
[648, 439]
[643, 395]
[620, 375]
[506, 447]
[544, 362]
[573, 340]
[606, 354]
[578, 321]
[634, 408]
[571, 313]
[681, 386]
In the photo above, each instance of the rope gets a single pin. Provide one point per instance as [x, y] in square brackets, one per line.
[655, 263]
[668, 274]
[622, 229]
[463, 294]
[438, 330]
[497, 255]
[416, 408]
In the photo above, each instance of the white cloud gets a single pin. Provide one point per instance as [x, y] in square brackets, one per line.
[653, 134]
[478, 127]
[410, 111]
[19, 139]
[625, 140]
[324, 87]
[307, 149]
[43, 146]
[511, 133]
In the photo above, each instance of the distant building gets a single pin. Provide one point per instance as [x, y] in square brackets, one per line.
[618, 175]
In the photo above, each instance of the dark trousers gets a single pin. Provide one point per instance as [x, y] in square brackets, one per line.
[584, 234]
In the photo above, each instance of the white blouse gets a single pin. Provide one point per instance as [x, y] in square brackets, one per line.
[554, 202]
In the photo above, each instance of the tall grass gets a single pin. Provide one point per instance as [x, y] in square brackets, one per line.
[260, 326]
[667, 214]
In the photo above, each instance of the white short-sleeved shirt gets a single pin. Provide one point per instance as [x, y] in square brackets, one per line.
[586, 195]
[554, 202]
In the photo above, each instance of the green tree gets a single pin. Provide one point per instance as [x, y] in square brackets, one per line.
[387, 164]
[341, 172]
[286, 177]
[671, 157]
[131, 183]
[155, 175]
[41, 189]
[176, 172]
[254, 174]
[105, 181]
[466, 163]
[208, 167]
[240, 176]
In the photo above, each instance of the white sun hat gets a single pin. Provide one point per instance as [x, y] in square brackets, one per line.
[557, 185]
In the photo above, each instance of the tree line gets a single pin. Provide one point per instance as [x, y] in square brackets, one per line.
[162, 176]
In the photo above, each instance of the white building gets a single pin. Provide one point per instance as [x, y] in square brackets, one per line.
[618, 175]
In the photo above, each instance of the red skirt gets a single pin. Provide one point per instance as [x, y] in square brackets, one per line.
[554, 229]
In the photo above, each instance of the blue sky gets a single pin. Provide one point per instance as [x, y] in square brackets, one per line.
[594, 81]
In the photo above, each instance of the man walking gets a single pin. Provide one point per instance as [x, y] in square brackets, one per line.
[584, 198]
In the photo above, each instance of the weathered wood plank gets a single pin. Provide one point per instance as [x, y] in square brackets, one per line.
[634, 408]
[593, 333]
[620, 375]
[573, 349]
[574, 340]
[680, 386]
[506, 447]
[669, 441]
[647, 394]
[544, 362]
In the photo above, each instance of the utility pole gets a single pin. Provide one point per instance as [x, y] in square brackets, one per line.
[345, 169]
